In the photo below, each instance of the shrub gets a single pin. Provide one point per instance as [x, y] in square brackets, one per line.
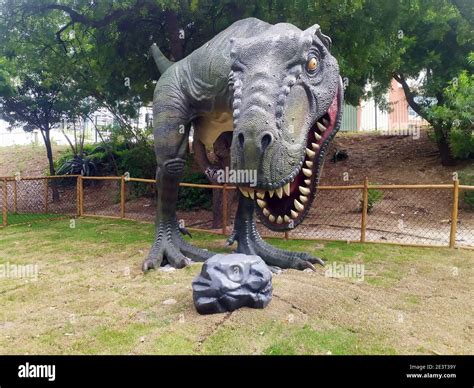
[139, 162]
[191, 198]
[466, 177]
[373, 197]
[455, 116]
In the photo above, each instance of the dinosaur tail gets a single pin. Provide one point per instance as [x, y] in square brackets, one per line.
[161, 61]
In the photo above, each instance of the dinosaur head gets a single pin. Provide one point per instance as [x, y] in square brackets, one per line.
[287, 107]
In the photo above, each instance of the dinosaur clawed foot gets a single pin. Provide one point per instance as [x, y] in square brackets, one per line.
[170, 248]
[253, 244]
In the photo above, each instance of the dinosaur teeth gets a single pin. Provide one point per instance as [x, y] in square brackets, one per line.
[306, 172]
[266, 212]
[298, 205]
[271, 193]
[261, 194]
[315, 146]
[317, 136]
[286, 218]
[304, 190]
[261, 203]
[307, 182]
[321, 127]
[293, 214]
[279, 220]
[286, 189]
[310, 153]
[309, 164]
[279, 192]
[251, 193]
[244, 192]
[271, 217]
[303, 198]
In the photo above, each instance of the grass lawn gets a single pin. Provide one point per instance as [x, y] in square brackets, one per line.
[91, 297]
[20, 218]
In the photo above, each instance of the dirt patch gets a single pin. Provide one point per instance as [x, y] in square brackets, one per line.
[90, 297]
[27, 160]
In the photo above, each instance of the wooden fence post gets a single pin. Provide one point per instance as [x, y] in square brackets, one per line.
[5, 202]
[122, 196]
[15, 196]
[454, 215]
[46, 189]
[224, 209]
[287, 235]
[365, 202]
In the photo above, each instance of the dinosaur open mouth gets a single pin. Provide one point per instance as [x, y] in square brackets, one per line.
[286, 206]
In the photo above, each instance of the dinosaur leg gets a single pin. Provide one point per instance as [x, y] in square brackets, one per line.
[250, 242]
[170, 148]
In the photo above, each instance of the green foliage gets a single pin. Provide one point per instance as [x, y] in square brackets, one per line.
[92, 162]
[139, 162]
[456, 115]
[191, 198]
[81, 48]
[466, 177]
[373, 197]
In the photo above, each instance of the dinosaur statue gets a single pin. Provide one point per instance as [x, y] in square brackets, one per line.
[270, 94]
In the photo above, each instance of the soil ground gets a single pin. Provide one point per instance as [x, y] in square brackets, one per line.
[90, 297]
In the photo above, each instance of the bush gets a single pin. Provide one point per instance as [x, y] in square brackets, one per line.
[373, 197]
[455, 117]
[191, 198]
[466, 177]
[94, 161]
[139, 162]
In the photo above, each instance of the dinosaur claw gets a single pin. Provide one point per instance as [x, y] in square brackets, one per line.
[307, 264]
[317, 260]
[184, 231]
[231, 239]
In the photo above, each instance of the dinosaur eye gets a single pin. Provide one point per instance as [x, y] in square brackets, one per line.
[312, 64]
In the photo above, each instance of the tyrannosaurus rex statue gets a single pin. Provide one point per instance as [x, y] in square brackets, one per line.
[273, 95]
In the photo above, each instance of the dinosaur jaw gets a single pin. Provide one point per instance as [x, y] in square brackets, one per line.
[286, 207]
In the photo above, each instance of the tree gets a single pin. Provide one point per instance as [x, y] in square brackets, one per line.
[373, 41]
[37, 91]
[435, 40]
[455, 118]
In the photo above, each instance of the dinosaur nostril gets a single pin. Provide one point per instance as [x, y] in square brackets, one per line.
[266, 140]
[241, 139]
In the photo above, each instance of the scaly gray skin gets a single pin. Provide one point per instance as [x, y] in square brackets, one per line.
[255, 89]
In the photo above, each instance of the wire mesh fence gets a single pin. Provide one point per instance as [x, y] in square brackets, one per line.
[465, 224]
[101, 196]
[29, 199]
[412, 216]
[335, 215]
[402, 214]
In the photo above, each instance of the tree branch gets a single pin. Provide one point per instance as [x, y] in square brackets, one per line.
[409, 95]
[77, 17]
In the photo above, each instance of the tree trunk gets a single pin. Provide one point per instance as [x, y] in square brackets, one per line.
[176, 41]
[49, 153]
[447, 158]
[444, 150]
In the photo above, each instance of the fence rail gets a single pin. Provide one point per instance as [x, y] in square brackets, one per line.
[419, 215]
